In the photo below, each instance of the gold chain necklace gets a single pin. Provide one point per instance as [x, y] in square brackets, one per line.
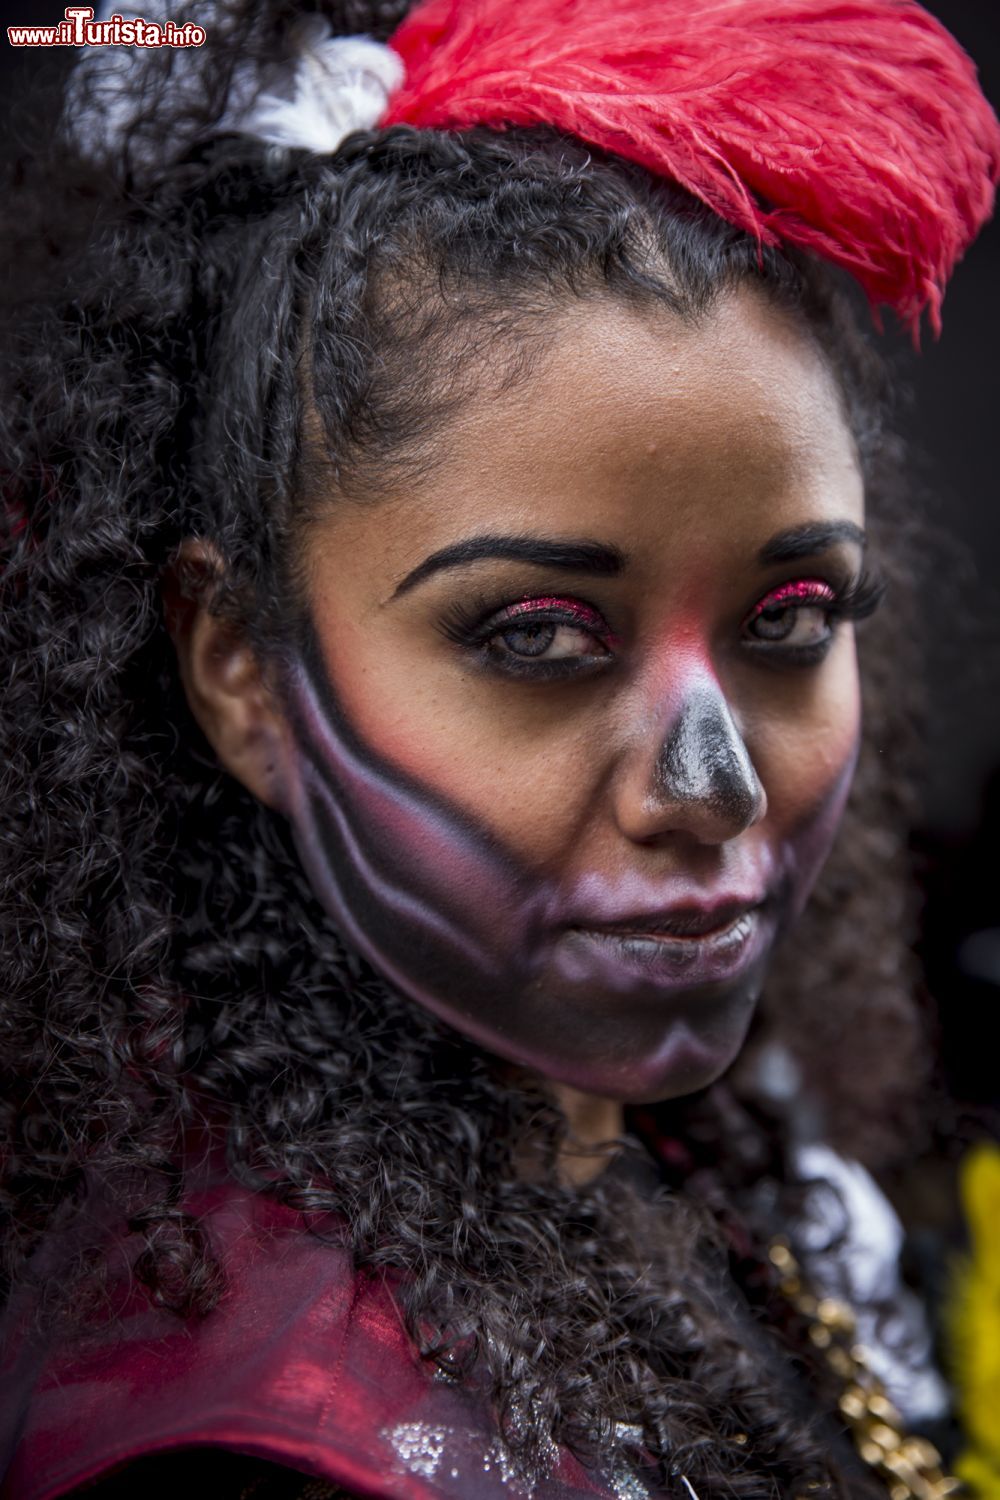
[911, 1466]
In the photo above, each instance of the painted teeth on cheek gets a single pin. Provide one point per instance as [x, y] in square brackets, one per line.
[334, 829]
[368, 825]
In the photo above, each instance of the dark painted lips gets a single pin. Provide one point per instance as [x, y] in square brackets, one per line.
[677, 950]
[677, 923]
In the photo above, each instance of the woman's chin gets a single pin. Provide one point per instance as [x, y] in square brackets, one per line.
[635, 1055]
[687, 1060]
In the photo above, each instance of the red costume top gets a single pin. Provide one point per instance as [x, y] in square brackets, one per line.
[303, 1362]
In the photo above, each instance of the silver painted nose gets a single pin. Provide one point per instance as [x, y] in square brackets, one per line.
[705, 768]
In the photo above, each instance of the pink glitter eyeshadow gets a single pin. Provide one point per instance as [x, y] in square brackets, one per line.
[574, 613]
[802, 591]
[581, 612]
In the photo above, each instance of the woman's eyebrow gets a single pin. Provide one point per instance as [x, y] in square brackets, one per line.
[546, 552]
[806, 541]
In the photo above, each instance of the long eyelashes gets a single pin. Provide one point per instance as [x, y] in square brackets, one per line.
[861, 599]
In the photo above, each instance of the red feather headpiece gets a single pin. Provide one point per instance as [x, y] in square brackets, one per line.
[852, 128]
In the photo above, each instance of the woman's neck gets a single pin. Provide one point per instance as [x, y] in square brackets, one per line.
[595, 1125]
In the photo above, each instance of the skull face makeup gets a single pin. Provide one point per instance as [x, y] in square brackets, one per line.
[465, 929]
[579, 717]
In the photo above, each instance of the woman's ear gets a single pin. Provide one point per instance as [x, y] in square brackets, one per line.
[227, 691]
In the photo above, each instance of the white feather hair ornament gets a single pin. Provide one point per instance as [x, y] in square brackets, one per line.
[326, 87]
[338, 84]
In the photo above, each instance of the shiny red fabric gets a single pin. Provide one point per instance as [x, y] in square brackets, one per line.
[302, 1363]
[854, 129]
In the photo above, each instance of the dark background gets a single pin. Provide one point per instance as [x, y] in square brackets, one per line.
[952, 419]
[954, 426]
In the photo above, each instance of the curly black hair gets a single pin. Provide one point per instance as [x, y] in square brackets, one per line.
[229, 328]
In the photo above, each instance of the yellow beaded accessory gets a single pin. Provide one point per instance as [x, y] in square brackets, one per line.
[911, 1466]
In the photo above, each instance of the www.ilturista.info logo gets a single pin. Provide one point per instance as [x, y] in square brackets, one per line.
[79, 29]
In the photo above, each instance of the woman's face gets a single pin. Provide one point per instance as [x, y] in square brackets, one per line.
[581, 714]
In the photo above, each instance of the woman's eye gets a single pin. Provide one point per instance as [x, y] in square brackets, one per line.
[796, 616]
[547, 640]
[534, 637]
[792, 624]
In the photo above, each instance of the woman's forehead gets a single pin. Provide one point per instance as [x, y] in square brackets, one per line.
[639, 430]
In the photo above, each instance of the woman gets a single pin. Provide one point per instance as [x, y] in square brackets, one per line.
[432, 569]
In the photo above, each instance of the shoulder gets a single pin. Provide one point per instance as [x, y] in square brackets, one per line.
[297, 1337]
[303, 1364]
